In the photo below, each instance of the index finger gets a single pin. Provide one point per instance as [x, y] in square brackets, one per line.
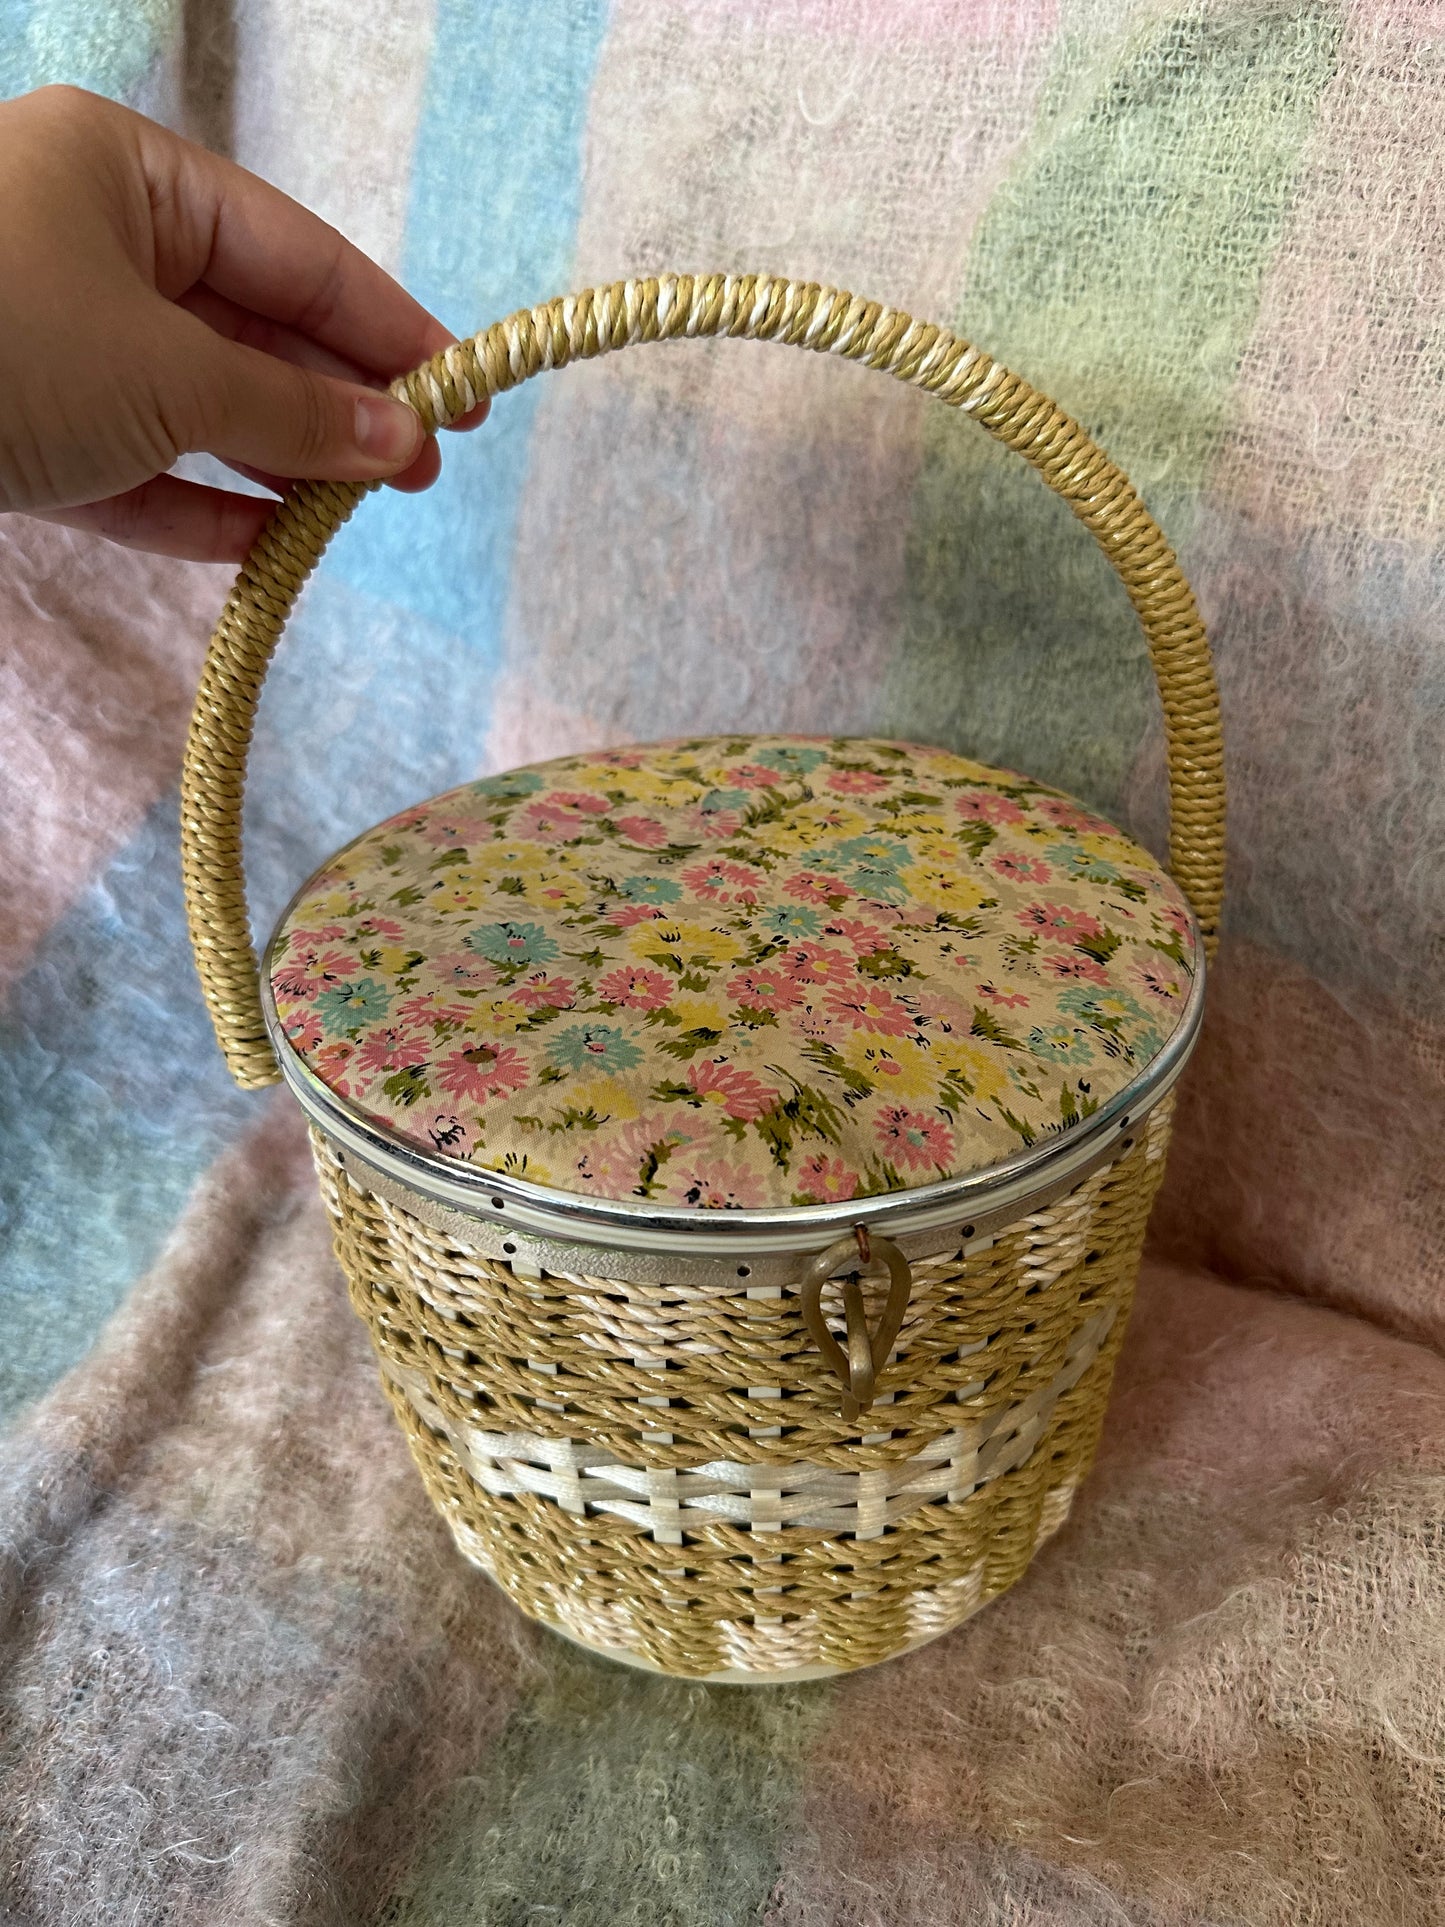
[218, 224]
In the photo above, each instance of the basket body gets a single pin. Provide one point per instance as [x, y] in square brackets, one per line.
[758, 1552]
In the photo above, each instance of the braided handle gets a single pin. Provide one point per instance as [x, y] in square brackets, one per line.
[575, 328]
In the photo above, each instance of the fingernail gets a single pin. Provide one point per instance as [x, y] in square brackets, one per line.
[387, 430]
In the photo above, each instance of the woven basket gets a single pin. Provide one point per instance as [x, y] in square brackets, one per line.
[770, 1442]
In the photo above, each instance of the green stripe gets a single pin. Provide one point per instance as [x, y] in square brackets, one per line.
[1119, 269]
[614, 1796]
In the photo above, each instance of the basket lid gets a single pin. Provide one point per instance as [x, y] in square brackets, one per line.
[735, 974]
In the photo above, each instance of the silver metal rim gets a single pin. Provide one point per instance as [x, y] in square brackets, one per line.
[622, 1225]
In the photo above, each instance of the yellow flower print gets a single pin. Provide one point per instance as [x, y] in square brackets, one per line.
[692, 943]
[935, 846]
[335, 903]
[638, 785]
[1112, 848]
[500, 1018]
[895, 1067]
[814, 826]
[557, 890]
[514, 859]
[701, 1013]
[944, 886]
[609, 1097]
[986, 1076]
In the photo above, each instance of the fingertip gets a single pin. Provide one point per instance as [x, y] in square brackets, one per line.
[422, 472]
[388, 433]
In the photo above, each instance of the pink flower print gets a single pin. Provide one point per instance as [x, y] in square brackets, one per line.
[913, 1139]
[751, 776]
[614, 1168]
[1005, 999]
[450, 832]
[314, 939]
[583, 801]
[870, 1007]
[1062, 923]
[430, 1009]
[819, 963]
[716, 1184]
[624, 915]
[740, 1093]
[826, 1180]
[856, 782]
[986, 806]
[812, 886]
[1160, 978]
[764, 987]
[720, 881]
[330, 1064]
[643, 830]
[541, 992]
[381, 929]
[640, 989]
[1177, 920]
[1075, 969]
[1066, 815]
[464, 967]
[312, 971]
[1020, 869]
[481, 1071]
[453, 1136]
[715, 826]
[554, 818]
[864, 937]
[392, 1048]
[304, 1030]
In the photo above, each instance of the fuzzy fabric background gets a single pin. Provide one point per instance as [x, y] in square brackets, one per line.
[243, 1677]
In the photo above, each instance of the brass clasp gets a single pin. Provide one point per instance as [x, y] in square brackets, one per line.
[857, 1369]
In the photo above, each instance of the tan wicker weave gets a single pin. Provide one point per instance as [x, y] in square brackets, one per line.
[665, 1470]
[531, 1404]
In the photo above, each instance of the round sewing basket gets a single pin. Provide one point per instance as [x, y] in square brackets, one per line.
[739, 1148]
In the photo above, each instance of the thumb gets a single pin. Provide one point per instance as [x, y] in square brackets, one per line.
[270, 414]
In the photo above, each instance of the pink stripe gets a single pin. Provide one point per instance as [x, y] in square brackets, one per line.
[102, 651]
[740, 558]
[1339, 407]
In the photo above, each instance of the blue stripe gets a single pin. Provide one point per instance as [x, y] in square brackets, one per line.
[496, 188]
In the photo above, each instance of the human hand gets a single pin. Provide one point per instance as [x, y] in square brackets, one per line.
[156, 301]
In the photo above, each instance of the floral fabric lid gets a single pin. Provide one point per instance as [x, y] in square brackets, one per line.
[737, 972]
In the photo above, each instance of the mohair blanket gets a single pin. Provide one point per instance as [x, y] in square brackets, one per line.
[244, 1678]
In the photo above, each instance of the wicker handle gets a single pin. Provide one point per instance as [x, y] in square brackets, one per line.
[575, 328]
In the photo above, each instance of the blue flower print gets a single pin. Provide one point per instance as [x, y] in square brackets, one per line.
[597, 1048]
[1060, 1044]
[1079, 863]
[791, 920]
[350, 1006]
[509, 786]
[718, 802]
[522, 944]
[791, 759]
[650, 889]
[1099, 1005]
[870, 864]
